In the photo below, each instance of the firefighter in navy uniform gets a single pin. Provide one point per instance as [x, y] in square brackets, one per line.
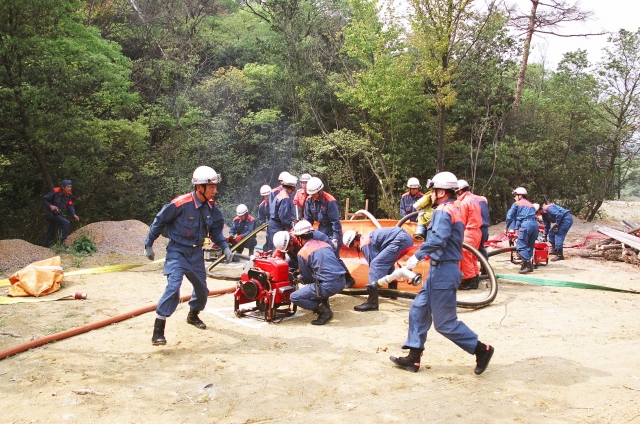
[242, 225]
[322, 274]
[381, 249]
[522, 217]
[321, 207]
[287, 244]
[55, 202]
[281, 207]
[436, 301]
[409, 198]
[189, 218]
[562, 221]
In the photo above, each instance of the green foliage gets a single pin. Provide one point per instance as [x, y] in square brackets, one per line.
[127, 102]
[84, 245]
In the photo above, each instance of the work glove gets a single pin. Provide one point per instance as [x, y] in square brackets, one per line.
[228, 254]
[239, 237]
[555, 229]
[335, 243]
[148, 252]
[412, 262]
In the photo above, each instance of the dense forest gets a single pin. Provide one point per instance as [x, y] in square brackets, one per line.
[127, 97]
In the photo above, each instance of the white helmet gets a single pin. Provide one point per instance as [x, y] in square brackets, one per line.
[290, 180]
[314, 185]
[282, 175]
[519, 190]
[241, 209]
[536, 206]
[265, 190]
[281, 240]
[205, 175]
[413, 183]
[302, 227]
[444, 181]
[462, 184]
[348, 237]
[305, 177]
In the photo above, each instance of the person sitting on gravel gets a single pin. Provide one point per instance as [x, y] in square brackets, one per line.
[55, 202]
[189, 219]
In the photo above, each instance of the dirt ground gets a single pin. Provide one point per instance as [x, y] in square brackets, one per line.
[562, 354]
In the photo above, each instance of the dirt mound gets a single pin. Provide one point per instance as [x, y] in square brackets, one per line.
[125, 237]
[16, 254]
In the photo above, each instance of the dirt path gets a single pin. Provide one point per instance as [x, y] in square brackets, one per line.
[562, 355]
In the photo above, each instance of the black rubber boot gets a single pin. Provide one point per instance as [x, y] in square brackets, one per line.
[469, 283]
[559, 256]
[349, 280]
[411, 362]
[192, 318]
[393, 286]
[553, 251]
[483, 354]
[158, 333]
[527, 266]
[324, 314]
[372, 301]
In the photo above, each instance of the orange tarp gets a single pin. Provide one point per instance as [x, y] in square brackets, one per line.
[37, 279]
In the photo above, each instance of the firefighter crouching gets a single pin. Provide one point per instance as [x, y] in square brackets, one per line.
[381, 249]
[321, 273]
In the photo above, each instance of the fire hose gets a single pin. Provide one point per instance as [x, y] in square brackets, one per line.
[92, 326]
[237, 245]
[368, 215]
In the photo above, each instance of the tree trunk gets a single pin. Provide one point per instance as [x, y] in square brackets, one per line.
[525, 54]
[440, 163]
[603, 193]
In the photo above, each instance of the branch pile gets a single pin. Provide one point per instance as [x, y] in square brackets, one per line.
[619, 246]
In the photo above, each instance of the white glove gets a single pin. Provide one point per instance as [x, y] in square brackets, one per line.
[412, 262]
[228, 255]
[417, 205]
[148, 252]
[335, 243]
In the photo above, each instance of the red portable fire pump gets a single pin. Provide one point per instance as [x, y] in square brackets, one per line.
[269, 284]
[540, 251]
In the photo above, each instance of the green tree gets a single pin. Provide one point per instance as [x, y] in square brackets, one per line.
[619, 75]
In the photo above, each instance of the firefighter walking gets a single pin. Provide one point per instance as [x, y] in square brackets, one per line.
[436, 301]
[188, 219]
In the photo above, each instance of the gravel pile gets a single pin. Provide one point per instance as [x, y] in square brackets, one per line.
[124, 237]
[16, 254]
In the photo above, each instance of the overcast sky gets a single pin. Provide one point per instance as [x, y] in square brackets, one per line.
[608, 15]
